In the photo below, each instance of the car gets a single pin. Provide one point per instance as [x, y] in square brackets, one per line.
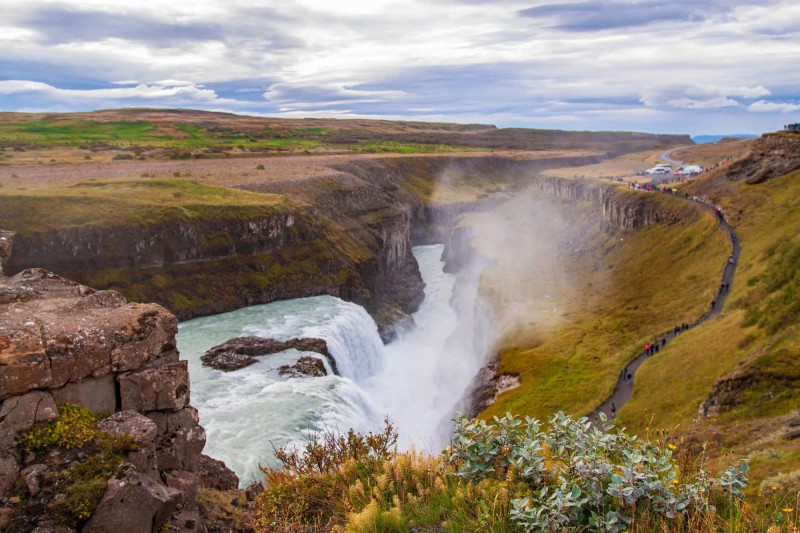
[659, 170]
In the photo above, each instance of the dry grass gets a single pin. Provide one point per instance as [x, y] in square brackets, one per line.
[222, 172]
[710, 154]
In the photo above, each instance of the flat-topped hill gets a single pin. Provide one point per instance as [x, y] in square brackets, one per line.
[184, 134]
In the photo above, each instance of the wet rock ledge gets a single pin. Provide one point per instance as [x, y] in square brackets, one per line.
[65, 343]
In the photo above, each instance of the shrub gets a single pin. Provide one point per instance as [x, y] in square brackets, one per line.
[73, 428]
[584, 476]
[504, 475]
[259, 167]
[327, 451]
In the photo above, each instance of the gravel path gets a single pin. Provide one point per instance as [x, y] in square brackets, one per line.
[624, 387]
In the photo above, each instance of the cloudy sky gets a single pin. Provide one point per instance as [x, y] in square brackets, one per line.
[679, 66]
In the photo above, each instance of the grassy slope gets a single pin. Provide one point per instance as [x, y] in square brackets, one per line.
[756, 339]
[622, 294]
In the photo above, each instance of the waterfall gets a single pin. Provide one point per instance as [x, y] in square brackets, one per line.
[416, 381]
[350, 332]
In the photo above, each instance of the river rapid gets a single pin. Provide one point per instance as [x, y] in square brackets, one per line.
[415, 381]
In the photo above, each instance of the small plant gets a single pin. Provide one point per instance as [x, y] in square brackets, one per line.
[259, 167]
[89, 459]
[73, 428]
[328, 450]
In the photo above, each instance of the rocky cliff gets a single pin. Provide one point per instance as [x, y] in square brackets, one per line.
[771, 156]
[348, 234]
[64, 344]
[620, 208]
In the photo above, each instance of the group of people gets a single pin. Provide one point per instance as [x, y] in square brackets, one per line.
[652, 348]
[650, 187]
[792, 127]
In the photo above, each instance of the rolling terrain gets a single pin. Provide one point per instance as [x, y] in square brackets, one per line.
[206, 212]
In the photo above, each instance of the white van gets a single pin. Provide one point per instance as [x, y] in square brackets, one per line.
[659, 170]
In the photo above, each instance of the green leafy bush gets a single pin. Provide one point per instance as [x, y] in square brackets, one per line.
[585, 476]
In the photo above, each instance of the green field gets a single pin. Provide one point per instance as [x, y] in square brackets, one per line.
[126, 202]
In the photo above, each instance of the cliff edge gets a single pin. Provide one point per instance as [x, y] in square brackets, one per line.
[66, 348]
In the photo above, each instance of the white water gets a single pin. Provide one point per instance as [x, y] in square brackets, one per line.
[416, 381]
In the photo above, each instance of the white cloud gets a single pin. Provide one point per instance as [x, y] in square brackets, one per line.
[698, 96]
[362, 58]
[171, 89]
[762, 106]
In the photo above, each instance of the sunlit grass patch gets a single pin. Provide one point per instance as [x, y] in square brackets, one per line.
[129, 201]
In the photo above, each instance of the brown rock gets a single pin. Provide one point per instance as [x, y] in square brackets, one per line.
[19, 413]
[23, 362]
[33, 476]
[165, 388]
[96, 394]
[133, 502]
[77, 332]
[143, 430]
[52, 529]
[150, 330]
[214, 474]
[187, 521]
[9, 469]
[186, 482]
[305, 366]
[6, 513]
[180, 439]
[6, 241]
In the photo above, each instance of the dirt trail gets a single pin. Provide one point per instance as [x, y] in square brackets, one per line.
[624, 387]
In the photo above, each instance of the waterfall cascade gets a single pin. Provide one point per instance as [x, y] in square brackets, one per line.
[416, 381]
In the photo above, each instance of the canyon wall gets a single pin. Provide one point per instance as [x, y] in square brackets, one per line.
[348, 234]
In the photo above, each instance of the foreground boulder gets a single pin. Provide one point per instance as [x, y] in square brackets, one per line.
[238, 353]
[62, 343]
[133, 502]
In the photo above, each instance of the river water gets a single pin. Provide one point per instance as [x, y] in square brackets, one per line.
[415, 381]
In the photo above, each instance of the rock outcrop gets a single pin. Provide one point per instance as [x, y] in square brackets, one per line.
[62, 342]
[771, 156]
[240, 352]
[305, 366]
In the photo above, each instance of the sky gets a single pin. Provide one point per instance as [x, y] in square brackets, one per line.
[661, 66]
